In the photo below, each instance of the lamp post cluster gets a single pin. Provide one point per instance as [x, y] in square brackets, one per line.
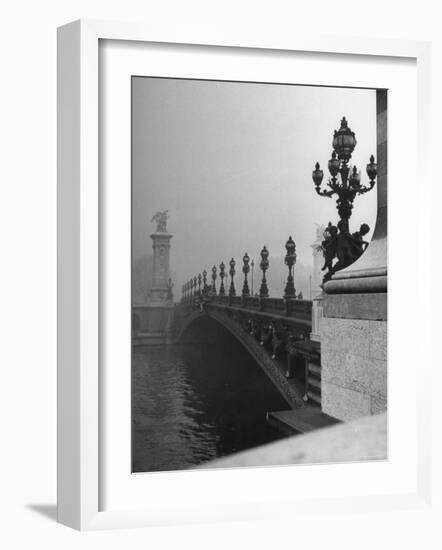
[197, 286]
[344, 182]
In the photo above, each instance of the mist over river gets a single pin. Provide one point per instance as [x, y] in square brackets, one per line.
[198, 401]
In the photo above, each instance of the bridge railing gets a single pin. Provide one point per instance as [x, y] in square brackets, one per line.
[273, 305]
[221, 299]
[251, 302]
[299, 309]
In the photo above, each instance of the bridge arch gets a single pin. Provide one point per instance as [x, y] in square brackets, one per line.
[187, 321]
[290, 390]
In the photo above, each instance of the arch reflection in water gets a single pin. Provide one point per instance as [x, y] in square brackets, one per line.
[198, 401]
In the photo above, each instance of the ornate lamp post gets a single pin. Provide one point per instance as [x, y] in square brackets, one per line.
[222, 274]
[205, 287]
[245, 270]
[232, 264]
[214, 279]
[199, 284]
[264, 265]
[252, 265]
[347, 187]
[194, 285]
[289, 260]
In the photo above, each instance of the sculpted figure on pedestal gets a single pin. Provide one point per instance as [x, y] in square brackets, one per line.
[161, 220]
[339, 244]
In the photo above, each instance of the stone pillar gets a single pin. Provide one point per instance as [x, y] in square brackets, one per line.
[161, 268]
[353, 329]
[152, 322]
[318, 261]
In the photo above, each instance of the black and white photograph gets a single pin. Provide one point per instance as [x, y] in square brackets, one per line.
[259, 274]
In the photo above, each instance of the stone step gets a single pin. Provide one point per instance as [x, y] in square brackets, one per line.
[314, 382]
[295, 421]
[314, 369]
[314, 397]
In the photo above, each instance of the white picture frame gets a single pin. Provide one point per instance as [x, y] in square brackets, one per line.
[79, 275]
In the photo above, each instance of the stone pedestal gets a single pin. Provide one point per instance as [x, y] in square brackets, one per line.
[152, 322]
[159, 293]
[353, 329]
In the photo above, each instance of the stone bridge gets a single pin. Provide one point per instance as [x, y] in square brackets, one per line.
[275, 331]
[345, 375]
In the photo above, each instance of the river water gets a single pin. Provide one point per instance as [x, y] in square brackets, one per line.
[196, 402]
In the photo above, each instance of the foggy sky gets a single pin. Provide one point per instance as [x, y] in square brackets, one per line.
[232, 163]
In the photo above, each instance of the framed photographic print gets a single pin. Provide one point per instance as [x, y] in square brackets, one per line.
[229, 278]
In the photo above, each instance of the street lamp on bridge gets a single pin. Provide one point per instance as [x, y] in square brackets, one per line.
[338, 241]
[245, 270]
[290, 259]
[222, 274]
[205, 286]
[252, 265]
[213, 289]
[264, 265]
[232, 264]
